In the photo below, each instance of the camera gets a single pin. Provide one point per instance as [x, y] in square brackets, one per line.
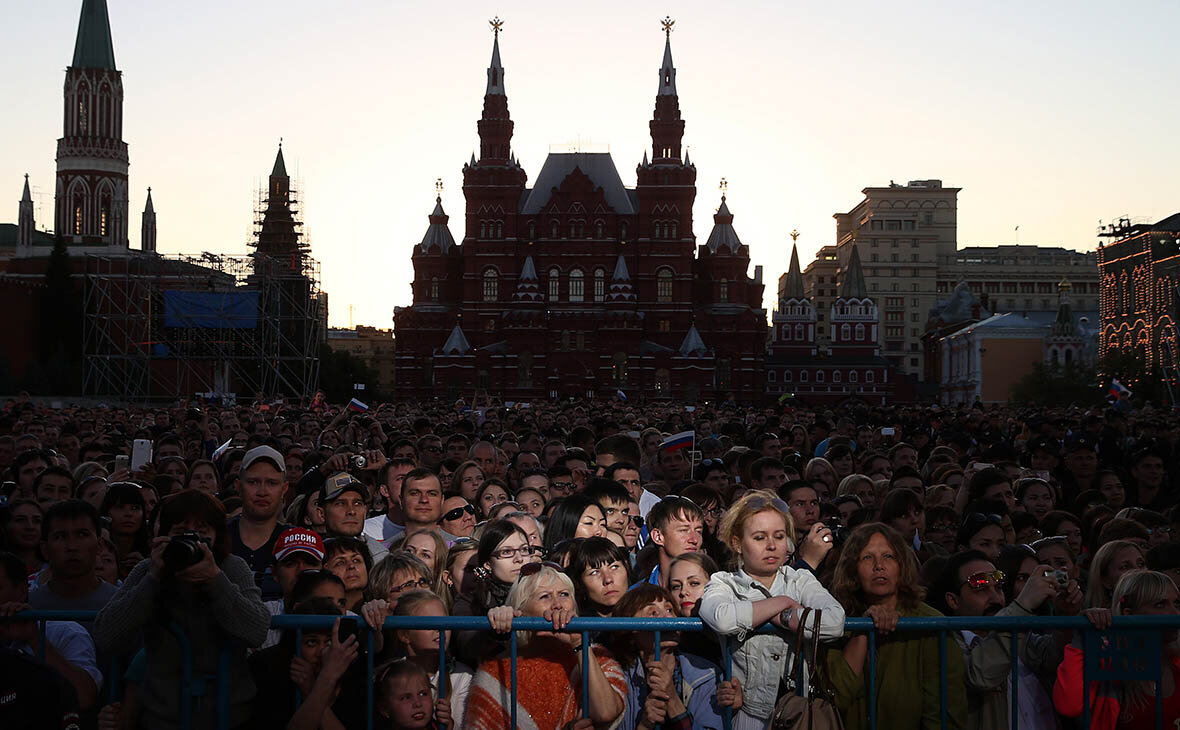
[358, 461]
[839, 531]
[183, 551]
[1060, 576]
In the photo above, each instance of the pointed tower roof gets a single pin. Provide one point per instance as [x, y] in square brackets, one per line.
[667, 71]
[794, 288]
[280, 168]
[723, 234]
[93, 47]
[620, 283]
[26, 197]
[148, 208]
[693, 345]
[496, 70]
[457, 343]
[687, 161]
[528, 288]
[438, 234]
[1063, 324]
[853, 286]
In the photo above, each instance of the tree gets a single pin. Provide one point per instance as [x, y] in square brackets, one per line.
[341, 371]
[57, 343]
[1060, 386]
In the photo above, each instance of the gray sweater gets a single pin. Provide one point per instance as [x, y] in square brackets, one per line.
[227, 611]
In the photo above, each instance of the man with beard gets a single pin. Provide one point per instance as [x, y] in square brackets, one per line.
[970, 585]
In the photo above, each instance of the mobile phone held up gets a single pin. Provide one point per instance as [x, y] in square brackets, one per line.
[141, 453]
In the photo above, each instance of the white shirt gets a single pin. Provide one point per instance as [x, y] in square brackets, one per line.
[75, 645]
[383, 530]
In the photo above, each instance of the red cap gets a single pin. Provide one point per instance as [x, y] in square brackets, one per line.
[299, 539]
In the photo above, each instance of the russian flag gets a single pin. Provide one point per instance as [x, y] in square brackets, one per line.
[356, 405]
[682, 440]
[1118, 390]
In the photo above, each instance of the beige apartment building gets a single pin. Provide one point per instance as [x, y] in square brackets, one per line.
[1022, 278]
[901, 232]
[372, 345]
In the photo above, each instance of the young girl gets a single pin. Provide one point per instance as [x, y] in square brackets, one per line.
[421, 647]
[457, 578]
[405, 700]
[126, 509]
[759, 529]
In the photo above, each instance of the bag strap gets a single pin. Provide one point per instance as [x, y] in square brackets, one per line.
[799, 644]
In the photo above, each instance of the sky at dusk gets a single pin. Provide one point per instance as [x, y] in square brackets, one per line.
[1049, 115]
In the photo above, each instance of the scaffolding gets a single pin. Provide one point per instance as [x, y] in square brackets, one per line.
[158, 328]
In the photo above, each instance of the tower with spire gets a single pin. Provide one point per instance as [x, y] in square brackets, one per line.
[25, 224]
[793, 321]
[854, 318]
[147, 234]
[279, 232]
[91, 203]
[1065, 346]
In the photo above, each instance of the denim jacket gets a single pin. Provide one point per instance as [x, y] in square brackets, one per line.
[760, 659]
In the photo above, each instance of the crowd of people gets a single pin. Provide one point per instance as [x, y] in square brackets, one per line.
[188, 529]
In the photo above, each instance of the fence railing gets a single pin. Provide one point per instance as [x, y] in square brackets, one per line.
[1131, 651]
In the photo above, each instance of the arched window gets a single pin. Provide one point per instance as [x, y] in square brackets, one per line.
[663, 383]
[483, 229]
[622, 231]
[599, 229]
[524, 370]
[499, 229]
[434, 289]
[836, 378]
[554, 284]
[532, 230]
[1069, 356]
[802, 376]
[577, 286]
[819, 376]
[798, 333]
[853, 376]
[620, 368]
[870, 376]
[573, 229]
[723, 291]
[553, 230]
[786, 376]
[771, 375]
[672, 230]
[722, 373]
[860, 332]
[599, 284]
[845, 332]
[664, 285]
[491, 285]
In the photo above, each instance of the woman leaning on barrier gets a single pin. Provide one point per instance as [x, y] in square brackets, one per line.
[548, 665]
[193, 585]
[877, 577]
[1126, 705]
[765, 589]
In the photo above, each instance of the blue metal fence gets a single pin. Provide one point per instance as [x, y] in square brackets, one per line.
[1130, 651]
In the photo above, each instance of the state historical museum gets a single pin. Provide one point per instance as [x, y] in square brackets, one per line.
[579, 286]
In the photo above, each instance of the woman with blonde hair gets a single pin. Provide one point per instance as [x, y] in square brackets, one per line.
[457, 577]
[429, 547]
[1126, 704]
[1112, 560]
[764, 589]
[877, 577]
[858, 485]
[820, 469]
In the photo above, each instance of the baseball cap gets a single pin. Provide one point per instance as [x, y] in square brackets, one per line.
[340, 483]
[266, 453]
[1080, 443]
[299, 539]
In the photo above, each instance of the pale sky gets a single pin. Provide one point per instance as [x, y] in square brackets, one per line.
[1049, 115]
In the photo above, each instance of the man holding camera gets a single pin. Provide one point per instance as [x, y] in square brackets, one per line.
[263, 483]
[970, 585]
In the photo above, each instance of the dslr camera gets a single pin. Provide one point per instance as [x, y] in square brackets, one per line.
[839, 531]
[183, 551]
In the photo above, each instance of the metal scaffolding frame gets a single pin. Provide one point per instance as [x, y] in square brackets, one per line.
[131, 353]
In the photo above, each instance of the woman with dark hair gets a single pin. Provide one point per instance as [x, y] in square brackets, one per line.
[877, 577]
[491, 493]
[601, 572]
[574, 516]
[22, 534]
[202, 475]
[503, 550]
[126, 513]
[1036, 496]
[1064, 524]
[466, 481]
[193, 584]
[349, 559]
[903, 511]
[1017, 563]
[841, 459]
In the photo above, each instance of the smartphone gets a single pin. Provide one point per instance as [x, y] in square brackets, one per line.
[141, 453]
[350, 626]
[122, 461]
[888, 431]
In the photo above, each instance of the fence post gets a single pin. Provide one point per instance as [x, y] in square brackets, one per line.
[727, 714]
[512, 672]
[369, 675]
[586, 651]
[873, 679]
[942, 686]
[1015, 680]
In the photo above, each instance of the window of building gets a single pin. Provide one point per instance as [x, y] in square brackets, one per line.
[914, 316]
[484, 380]
[893, 257]
[599, 285]
[428, 372]
[786, 376]
[665, 325]
[622, 231]
[860, 332]
[914, 287]
[77, 220]
[577, 286]
[893, 243]
[722, 374]
[554, 284]
[845, 332]
[798, 333]
[853, 376]
[870, 376]
[664, 285]
[663, 383]
[893, 225]
[771, 376]
[491, 285]
[873, 286]
[913, 243]
[434, 289]
[802, 376]
[524, 370]
[927, 218]
[723, 291]
[554, 230]
[565, 340]
[619, 369]
[914, 257]
[836, 376]
[489, 325]
[532, 230]
[580, 341]
[876, 225]
[599, 229]
[819, 376]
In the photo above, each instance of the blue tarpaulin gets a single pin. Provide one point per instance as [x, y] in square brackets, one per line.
[211, 310]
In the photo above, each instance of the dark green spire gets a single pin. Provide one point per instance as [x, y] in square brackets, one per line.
[93, 48]
[853, 286]
[280, 168]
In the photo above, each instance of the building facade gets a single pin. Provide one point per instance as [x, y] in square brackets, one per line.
[579, 285]
[820, 286]
[901, 230]
[1139, 271]
[1021, 278]
[373, 346]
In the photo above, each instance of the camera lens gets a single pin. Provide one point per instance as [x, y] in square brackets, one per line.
[359, 462]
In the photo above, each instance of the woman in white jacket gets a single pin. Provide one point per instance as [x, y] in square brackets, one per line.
[764, 589]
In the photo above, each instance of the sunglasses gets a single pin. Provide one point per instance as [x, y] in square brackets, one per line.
[533, 568]
[457, 513]
[562, 486]
[984, 579]
[638, 520]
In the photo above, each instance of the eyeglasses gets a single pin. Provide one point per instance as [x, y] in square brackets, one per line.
[759, 502]
[638, 520]
[562, 486]
[984, 579]
[524, 551]
[457, 513]
[410, 585]
[533, 568]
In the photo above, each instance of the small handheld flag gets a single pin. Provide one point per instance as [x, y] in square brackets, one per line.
[356, 405]
[621, 394]
[1118, 390]
[682, 440]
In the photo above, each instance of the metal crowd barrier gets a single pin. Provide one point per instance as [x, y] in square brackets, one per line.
[1130, 651]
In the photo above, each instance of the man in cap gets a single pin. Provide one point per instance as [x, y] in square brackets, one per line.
[344, 503]
[263, 483]
[296, 550]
